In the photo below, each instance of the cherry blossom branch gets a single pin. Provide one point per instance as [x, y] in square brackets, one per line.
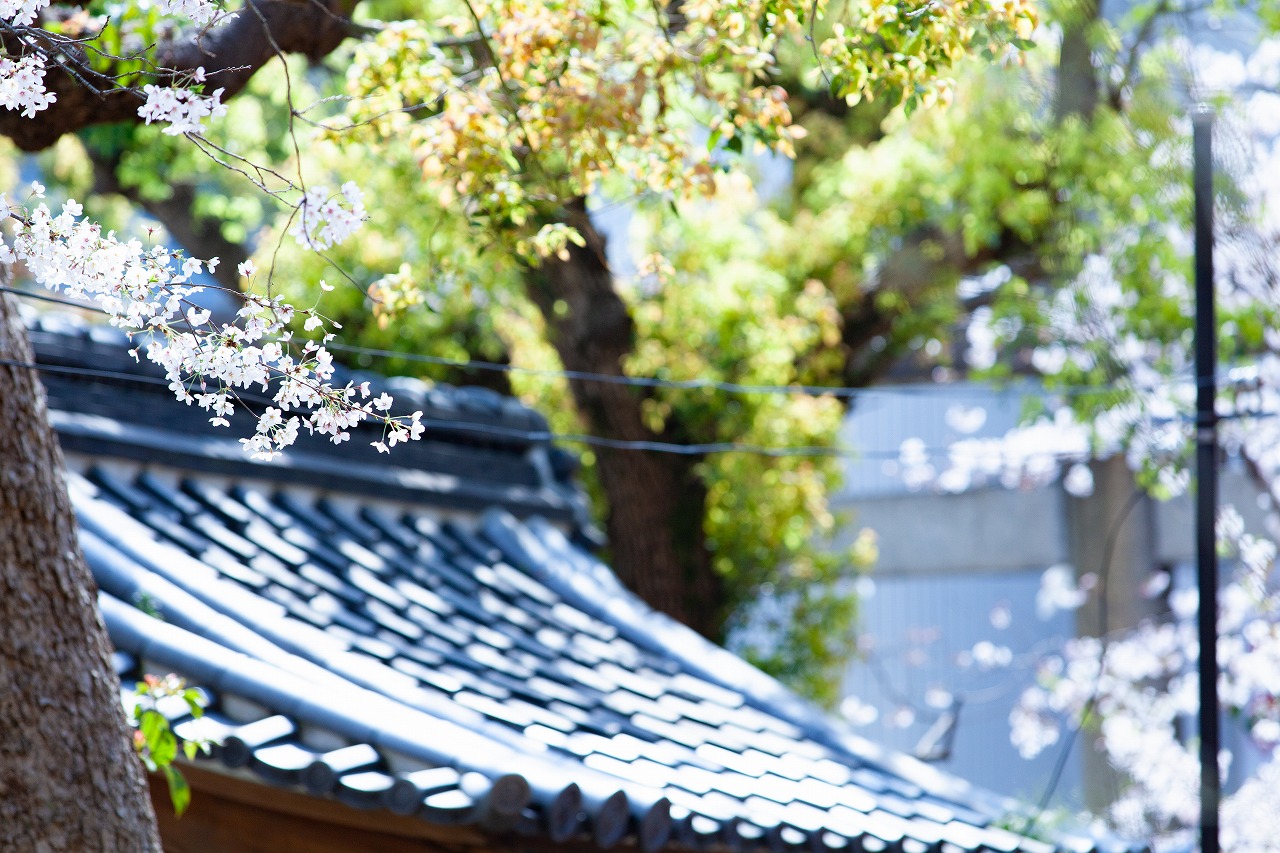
[148, 291]
[230, 49]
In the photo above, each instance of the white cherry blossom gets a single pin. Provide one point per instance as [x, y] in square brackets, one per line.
[184, 110]
[326, 219]
[22, 13]
[199, 12]
[22, 85]
[144, 291]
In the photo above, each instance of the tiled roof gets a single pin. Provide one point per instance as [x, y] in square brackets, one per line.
[391, 651]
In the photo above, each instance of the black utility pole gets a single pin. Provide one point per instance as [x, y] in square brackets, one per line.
[1206, 341]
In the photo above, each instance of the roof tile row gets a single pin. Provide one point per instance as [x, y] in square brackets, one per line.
[582, 725]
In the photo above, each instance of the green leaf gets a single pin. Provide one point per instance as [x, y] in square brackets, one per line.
[152, 723]
[837, 86]
[179, 790]
[194, 699]
[165, 749]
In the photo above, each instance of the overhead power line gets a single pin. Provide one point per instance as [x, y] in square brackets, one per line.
[840, 391]
[934, 453]
[922, 389]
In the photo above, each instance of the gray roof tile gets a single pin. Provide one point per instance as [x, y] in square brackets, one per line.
[282, 764]
[365, 789]
[239, 746]
[232, 511]
[322, 774]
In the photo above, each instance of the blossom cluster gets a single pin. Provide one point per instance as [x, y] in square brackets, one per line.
[22, 77]
[199, 12]
[325, 219]
[148, 293]
[184, 109]
[22, 13]
[22, 85]
[1140, 689]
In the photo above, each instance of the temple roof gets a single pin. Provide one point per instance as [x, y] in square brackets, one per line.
[429, 633]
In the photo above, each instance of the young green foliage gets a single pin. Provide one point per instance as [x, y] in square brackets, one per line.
[153, 738]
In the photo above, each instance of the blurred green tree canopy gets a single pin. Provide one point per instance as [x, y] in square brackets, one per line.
[932, 145]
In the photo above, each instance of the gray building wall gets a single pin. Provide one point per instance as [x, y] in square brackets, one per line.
[948, 560]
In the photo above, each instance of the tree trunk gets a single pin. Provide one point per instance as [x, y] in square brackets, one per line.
[68, 777]
[1077, 84]
[656, 500]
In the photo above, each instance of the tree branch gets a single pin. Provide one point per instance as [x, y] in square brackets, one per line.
[925, 268]
[199, 235]
[1140, 39]
[1077, 85]
[230, 52]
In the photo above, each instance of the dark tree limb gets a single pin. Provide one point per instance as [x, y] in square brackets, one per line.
[231, 52]
[1077, 85]
[925, 267]
[1118, 91]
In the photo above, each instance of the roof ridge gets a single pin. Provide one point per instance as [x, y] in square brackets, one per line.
[68, 340]
[480, 447]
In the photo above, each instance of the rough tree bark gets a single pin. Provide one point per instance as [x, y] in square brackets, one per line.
[656, 501]
[68, 777]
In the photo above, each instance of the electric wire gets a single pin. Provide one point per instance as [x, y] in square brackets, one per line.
[49, 297]
[539, 436]
[922, 389]
[839, 391]
[499, 431]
